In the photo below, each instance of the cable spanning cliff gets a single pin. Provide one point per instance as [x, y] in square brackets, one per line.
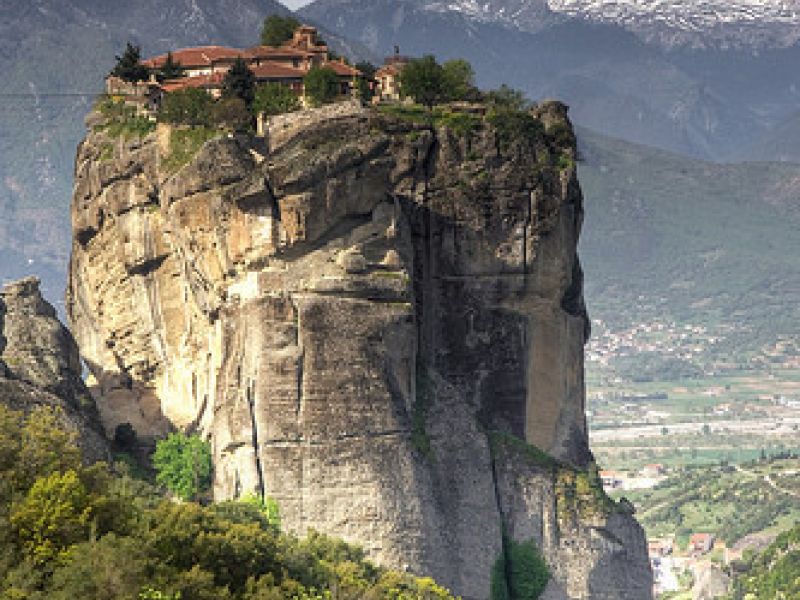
[376, 317]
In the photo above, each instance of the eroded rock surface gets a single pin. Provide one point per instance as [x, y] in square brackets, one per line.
[40, 365]
[349, 317]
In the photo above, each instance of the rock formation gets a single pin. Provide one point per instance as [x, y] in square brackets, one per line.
[376, 322]
[40, 365]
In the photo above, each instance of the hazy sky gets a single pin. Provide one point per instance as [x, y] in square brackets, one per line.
[296, 3]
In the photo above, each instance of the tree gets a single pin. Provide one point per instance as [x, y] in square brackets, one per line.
[129, 66]
[106, 569]
[506, 98]
[423, 80]
[55, 514]
[275, 99]
[170, 69]
[278, 30]
[231, 113]
[321, 85]
[366, 83]
[459, 79]
[240, 82]
[189, 106]
[183, 465]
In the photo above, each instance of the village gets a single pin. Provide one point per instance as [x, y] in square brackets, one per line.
[683, 558]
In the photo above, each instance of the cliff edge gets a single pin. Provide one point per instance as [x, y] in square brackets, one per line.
[376, 317]
[40, 366]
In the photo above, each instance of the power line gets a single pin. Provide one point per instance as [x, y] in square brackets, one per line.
[49, 95]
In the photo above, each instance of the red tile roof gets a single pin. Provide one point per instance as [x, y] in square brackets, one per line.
[389, 70]
[342, 69]
[202, 56]
[276, 70]
[269, 52]
[200, 81]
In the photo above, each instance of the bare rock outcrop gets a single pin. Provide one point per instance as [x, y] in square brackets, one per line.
[40, 365]
[360, 320]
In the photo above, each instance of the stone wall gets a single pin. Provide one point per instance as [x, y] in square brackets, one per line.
[281, 128]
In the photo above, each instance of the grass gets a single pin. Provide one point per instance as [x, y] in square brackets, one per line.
[121, 120]
[462, 124]
[184, 145]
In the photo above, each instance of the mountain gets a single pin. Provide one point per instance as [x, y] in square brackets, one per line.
[53, 56]
[726, 24]
[377, 321]
[712, 102]
[693, 241]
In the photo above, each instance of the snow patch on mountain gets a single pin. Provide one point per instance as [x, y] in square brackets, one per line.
[698, 23]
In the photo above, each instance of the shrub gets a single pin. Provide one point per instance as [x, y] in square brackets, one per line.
[458, 79]
[184, 145]
[423, 80]
[321, 85]
[277, 30]
[122, 120]
[129, 66]
[231, 113]
[183, 465]
[520, 573]
[275, 99]
[240, 82]
[186, 107]
[515, 127]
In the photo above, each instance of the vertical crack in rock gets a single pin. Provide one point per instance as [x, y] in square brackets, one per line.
[251, 404]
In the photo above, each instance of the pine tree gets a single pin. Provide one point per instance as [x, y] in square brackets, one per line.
[129, 66]
[240, 82]
[171, 69]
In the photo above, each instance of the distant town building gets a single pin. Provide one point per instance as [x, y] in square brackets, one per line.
[611, 480]
[145, 96]
[655, 470]
[701, 543]
[388, 77]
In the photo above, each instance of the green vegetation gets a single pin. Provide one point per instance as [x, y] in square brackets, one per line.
[240, 82]
[129, 66]
[277, 30]
[190, 106]
[184, 145]
[183, 465]
[515, 126]
[773, 574]
[500, 439]
[423, 80]
[520, 573]
[731, 502]
[170, 69]
[440, 116]
[232, 114]
[458, 79]
[365, 89]
[580, 493]
[275, 99]
[122, 121]
[429, 83]
[321, 85]
[68, 531]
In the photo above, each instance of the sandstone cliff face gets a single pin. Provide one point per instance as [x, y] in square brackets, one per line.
[350, 314]
[40, 365]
